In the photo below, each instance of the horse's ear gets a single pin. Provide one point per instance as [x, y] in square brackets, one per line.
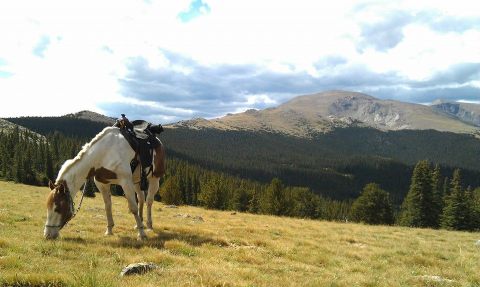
[51, 185]
[61, 187]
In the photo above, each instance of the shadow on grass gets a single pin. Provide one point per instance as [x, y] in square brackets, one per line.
[158, 241]
[77, 240]
[30, 282]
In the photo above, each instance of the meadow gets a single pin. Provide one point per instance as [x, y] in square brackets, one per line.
[198, 247]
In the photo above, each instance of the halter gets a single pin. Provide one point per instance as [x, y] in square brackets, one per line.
[72, 208]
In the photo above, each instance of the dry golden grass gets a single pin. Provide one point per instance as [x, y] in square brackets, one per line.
[223, 250]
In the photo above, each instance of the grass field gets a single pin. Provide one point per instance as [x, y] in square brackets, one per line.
[224, 249]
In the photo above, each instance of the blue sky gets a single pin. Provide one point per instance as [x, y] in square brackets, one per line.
[166, 61]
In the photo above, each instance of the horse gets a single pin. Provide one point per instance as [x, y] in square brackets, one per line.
[107, 159]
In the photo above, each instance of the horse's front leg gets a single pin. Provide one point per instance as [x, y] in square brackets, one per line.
[129, 189]
[107, 199]
[152, 190]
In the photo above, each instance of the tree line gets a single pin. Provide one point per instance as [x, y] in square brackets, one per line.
[26, 157]
[190, 184]
[433, 201]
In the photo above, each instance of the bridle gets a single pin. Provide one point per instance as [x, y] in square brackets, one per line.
[72, 207]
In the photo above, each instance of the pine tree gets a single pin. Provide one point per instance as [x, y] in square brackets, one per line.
[418, 208]
[48, 164]
[170, 191]
[373, 206]
[213, 193]
[476, 208]
[272, 200]
[437, 196]
[90, 188]
[18, 172]
[457, 210]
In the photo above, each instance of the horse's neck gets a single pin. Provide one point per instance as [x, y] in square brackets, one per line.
[75, 176]
[78, 171]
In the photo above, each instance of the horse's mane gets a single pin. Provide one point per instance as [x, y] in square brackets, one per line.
[67, 165]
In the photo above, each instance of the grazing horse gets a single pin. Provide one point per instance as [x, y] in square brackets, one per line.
[107, 158]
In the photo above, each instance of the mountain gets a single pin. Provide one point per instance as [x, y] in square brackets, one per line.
[333, 142]
[92, 116]
[9, 126]
[306, 116]
[84, 124]
[465, 112]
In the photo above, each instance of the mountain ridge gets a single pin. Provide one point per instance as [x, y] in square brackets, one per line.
[308, 115]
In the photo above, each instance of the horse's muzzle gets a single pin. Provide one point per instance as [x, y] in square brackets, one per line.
[50, 233]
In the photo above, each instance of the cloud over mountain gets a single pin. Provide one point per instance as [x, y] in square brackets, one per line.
[175, 60]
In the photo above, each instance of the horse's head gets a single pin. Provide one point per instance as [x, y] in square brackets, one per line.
[59, 209]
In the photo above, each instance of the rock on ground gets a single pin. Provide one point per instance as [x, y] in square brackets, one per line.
[138, 268]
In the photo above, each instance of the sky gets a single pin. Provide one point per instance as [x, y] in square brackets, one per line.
[165, 61]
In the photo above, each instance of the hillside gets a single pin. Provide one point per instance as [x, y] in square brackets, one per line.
[92, 116]
[468, 113]
[7, 126]
[222, 249]
[336, 164]
[310, 115]
[75, 126]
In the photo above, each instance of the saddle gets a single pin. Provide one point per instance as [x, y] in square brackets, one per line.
[141, 135]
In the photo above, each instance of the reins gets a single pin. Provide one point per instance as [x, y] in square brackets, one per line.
[72, 205]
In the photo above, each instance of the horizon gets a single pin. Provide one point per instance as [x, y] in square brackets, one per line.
[168, 123]
[166, 62]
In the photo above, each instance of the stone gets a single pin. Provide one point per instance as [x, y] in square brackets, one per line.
[138, 268]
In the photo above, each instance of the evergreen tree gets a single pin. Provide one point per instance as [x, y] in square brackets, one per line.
[272, 201]
[90, 188]
[458, 207]
[116, 190]
[373, 206]
[19, 174]
[213, 193]
[240, 200]
[253, 203]
[476, 208]
[438, 194]
[48, 164]
[171, 192]
[418, 208]
[305, 204]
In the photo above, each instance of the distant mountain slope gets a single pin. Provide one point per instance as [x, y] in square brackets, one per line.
[77, 125]
[336, 164]
[308, 115]
[92, 116]
[9, 126]
[468, 113]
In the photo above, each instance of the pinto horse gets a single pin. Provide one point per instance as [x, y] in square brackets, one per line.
[107, 159]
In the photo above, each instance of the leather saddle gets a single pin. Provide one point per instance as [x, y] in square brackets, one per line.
[141, 135]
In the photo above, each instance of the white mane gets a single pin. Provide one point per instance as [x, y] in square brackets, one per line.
[70, 162]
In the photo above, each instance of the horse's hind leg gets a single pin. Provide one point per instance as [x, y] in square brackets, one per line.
[141, 201]
[152, 190]
[107, 199]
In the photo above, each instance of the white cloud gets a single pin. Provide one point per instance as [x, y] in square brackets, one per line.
[91, 42]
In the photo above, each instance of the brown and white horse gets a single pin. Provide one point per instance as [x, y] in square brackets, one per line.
[107, 158]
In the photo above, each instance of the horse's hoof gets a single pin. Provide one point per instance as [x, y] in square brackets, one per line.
[149, 226]
[135, 227]
[142, 237]
[108, 233]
